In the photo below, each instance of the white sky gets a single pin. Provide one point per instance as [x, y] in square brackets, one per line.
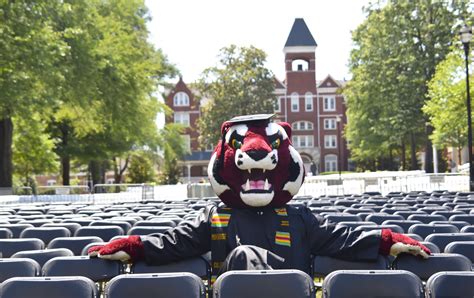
[191, 32]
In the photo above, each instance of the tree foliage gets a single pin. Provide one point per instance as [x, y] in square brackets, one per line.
[141, 169]
[173, 148]
[396, 50]
[87, 67]
[446, 108]
[33, 149]
[240, 84]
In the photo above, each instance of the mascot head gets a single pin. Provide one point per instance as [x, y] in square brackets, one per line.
[254, 164]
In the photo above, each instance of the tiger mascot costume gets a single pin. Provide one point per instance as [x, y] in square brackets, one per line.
[255, 171]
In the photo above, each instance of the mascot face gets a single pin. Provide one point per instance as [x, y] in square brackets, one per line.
[255, 165]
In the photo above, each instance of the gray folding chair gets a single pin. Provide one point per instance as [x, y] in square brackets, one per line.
[372, 284]
[465, 248]
[197, 266]
[18, 268]
[323, 265]
[95, 269]
[424, 268]
[8, 247]
[441, 240]
[43, 255]
[264, 284]
[459, 284]
[50, 287]
[427, 229]
[74, 244]
[104, 232]
[166, 285]
[46, 234]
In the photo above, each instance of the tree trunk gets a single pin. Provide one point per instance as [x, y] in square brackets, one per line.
[429, 150]
[413, 159]
[6, 140]
[95, 171]
[65, 159]
[404, 156]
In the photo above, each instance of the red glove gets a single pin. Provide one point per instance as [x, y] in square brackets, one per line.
[125, 249]
[395, 243]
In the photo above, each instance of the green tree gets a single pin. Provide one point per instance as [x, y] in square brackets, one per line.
[396, 51]
[240, 84]
[31, 49]
[173, 149]
[113, 73]
[141, 169]
[32, 149]
[447, 105]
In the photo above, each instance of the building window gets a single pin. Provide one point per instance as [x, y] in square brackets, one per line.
[181, 99]
[181, 118]
[330, 141]
[299, 65]
[187, 142]
[278, 104]
[330, 163]
[330, 103]
[330, 124]
[302, 141]
[302, 125]
[308, 101]
[295, 102]
[51, 182]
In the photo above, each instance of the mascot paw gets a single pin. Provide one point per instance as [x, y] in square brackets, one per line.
[126, 249]
[395, 243]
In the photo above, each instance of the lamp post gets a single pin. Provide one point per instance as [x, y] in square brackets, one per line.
[466, 35]
[339, 145]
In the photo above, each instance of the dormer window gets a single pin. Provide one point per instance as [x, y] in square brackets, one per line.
[299, 65]
[181, 99]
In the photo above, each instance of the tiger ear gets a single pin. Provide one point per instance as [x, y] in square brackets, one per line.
[224, 127]
[287, 127]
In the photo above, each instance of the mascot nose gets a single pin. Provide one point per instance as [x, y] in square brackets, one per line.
[257, 154]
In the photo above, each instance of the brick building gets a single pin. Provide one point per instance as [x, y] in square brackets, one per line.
[315, 109]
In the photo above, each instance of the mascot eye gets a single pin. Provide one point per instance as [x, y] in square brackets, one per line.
[236, 144]
[276, 144]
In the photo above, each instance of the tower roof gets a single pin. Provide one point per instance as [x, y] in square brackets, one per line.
[300, 35]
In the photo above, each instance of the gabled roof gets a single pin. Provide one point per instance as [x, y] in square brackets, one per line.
[278, 84]
[329, 81]
[300, 35]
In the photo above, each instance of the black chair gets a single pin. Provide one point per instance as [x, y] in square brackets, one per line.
[405, 224]
[460, 217]
[71, 226]
[451, 284]
[95, 269]
[9, 247]
[74, 244]
[372, 283]
[5, 233]
[123, 224]
[426, 229]
[379, 218]
[441, 240]
[16, 229]
[18, 268]
[186, 285]
[465, 248]
[323, 265]
[50, 287]
[43, 255]
[264, 284]
[197, 266]
[104, 232]
[424, 268]
[426, 218]
[45, 234]
[431, 246]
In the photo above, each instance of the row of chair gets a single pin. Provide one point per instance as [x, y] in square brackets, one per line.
[263, 284]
